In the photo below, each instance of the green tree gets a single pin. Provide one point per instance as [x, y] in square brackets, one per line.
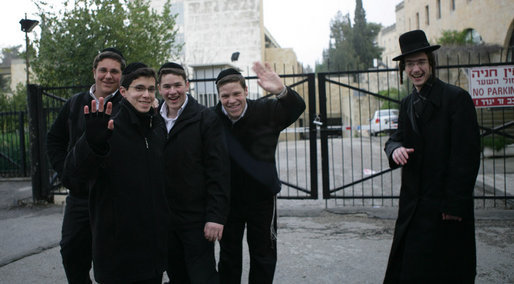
[351, 47]
[453, 37]
[72, 37]
[392, 93]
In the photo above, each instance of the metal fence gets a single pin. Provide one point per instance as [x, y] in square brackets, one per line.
[329, 148]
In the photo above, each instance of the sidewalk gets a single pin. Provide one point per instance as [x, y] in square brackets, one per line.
[315, 245]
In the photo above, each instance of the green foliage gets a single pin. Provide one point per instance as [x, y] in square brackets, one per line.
[495, 142]
[9, 53]
[392, 93]
[453, 37]
[72, 38]
[16, 101]
[351, 47]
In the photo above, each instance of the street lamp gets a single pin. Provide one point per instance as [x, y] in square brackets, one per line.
[27, 26]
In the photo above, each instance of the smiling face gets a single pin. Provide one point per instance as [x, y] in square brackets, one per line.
[107, 77]
[418, 69]
[173, 89]
[233, 98]
[140, 94]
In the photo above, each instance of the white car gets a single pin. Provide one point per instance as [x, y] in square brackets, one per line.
[384, 121]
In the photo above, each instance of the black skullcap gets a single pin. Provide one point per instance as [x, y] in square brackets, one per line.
[133, 67]
[113, 49]
[226, 72]
[170, 65]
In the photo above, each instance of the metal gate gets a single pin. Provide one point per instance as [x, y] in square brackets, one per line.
[354, 166]
[350, 165]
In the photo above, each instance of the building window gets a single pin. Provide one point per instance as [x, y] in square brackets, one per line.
[417, 21]
[439, 9]
[452, 5]
[427, 15]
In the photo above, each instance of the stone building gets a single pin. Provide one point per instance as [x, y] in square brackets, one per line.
[225, 33]
[486, 21]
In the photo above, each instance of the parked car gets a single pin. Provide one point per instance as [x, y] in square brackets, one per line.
[384, 121]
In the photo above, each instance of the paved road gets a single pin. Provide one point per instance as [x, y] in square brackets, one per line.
[316, 244]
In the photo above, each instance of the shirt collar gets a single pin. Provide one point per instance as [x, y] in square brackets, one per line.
[237, 119]
[164, 110]
[92, 94]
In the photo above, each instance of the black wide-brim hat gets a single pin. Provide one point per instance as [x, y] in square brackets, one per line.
[412, 42]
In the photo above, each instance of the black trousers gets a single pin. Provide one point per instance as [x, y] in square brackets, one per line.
[190, 256]
[76, 240]
[156, 280]
[260, 221]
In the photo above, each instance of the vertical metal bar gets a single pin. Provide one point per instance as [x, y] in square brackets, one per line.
[21, 129]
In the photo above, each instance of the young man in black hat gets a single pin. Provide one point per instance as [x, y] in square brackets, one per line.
[252, 129]
[197, 175]
[437, 144]
[64, 132]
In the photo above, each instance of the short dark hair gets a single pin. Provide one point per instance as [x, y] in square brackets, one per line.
[109, 54]
[231, 79]
[431, 62]
[127, 79]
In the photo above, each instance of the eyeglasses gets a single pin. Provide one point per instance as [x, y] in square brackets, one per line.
[420, 63]
[142, 89]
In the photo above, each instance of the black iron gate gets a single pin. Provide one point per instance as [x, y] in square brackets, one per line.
[350, 165]
[354, 166]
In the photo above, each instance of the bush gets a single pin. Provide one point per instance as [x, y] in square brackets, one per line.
[495, 142]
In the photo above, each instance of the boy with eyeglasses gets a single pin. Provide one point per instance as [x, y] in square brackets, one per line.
[121, 159]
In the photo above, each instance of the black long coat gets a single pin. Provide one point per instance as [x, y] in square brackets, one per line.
[128, 208]
[438, 178]
[197, 167]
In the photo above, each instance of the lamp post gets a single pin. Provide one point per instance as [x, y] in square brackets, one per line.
[27, 26]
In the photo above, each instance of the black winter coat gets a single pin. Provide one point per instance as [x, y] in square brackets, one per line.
[67, 129]
[439, 177]
[128, 209]
[257, 132]
[197, 167]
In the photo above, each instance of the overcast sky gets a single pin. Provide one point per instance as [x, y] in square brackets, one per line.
[303, 25]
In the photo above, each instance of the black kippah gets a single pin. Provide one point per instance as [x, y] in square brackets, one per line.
[133, 67]
[113, 49]
[171, 65]
[226, 72]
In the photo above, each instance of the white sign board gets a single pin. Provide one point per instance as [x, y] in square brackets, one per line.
[492, 86]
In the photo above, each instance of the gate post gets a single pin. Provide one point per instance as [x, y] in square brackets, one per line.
[323, 135]
[39, 165]
[313, 145]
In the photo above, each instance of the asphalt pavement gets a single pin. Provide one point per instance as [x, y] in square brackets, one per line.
[318, 241]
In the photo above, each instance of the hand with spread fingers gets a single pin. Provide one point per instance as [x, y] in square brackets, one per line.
[268, 79]
[99, 126]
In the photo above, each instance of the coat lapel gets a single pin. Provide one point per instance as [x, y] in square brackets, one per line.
[189, 115]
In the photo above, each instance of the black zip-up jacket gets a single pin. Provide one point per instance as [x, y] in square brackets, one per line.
[257, 132]
[197, 167]
[67, 129]
[128, 207]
